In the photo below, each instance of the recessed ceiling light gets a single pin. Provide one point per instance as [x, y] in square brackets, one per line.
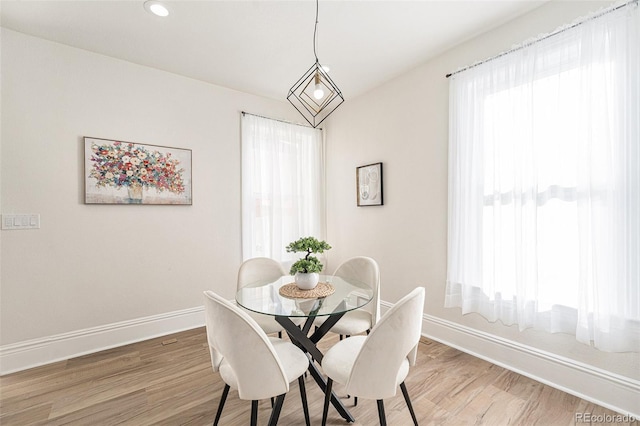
[156, 8]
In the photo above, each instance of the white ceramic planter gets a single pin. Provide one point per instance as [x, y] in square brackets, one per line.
[306, 281]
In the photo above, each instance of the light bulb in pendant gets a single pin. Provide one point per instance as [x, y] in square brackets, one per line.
[318, 92]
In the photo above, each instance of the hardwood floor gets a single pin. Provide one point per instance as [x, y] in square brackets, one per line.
[173, 384]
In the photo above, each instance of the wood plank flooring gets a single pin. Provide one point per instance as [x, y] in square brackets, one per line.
[149, 383]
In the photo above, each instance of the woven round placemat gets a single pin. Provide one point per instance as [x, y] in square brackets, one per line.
[292, 291]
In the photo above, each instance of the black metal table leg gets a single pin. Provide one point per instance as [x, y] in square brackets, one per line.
[337, 403]
[300, 339]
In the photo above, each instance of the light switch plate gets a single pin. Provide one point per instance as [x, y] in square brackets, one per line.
[20, 221]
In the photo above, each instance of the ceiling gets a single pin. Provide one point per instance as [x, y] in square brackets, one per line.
[263, 47]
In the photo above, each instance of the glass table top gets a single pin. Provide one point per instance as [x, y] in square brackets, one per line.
[264, 297]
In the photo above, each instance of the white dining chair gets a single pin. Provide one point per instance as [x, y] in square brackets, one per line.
[373, 366]
[261, 270]
[248, 360]
[365, 270]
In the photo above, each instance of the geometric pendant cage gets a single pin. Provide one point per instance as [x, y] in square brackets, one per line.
[315, 95]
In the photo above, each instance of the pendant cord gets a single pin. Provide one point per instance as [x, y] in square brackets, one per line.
[315, 31]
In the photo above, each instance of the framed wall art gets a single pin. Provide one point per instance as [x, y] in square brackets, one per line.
[118, 172]
[369, 185]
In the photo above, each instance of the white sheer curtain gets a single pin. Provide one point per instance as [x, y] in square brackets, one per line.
[544, 184]
[283, 195]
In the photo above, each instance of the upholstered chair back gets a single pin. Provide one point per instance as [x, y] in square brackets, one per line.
[233, 335]
[394, 338]
[366, 270]
[259, 269]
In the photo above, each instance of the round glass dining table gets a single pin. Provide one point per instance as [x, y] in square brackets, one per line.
[265, 297]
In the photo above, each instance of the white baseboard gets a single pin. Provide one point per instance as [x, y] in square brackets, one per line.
[618, 393]
[32, 353]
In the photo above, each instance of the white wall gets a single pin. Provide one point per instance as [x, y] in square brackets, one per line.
[95, 276]
[95, 265]
[404, 124]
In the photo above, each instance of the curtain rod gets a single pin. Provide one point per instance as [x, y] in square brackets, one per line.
[276, 119]
[560, 31]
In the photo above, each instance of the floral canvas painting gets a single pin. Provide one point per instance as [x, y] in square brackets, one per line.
[118, 172]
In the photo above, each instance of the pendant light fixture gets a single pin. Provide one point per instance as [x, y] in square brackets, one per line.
[315, 95]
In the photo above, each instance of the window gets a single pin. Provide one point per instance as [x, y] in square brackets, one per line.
[544, 184]
[282, 186]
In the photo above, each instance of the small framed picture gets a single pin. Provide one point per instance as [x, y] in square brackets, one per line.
[369, 185]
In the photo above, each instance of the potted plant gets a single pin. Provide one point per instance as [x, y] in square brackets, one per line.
[306, 270]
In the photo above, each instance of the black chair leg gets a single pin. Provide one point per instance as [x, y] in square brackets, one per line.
[381, 415]
[275, 413]
[327, 398]
[355, 401]
[341, 337]
[272, 402]
[254, 413]
[223, 398]
[303, 395]
[408, 400]
[279, 334]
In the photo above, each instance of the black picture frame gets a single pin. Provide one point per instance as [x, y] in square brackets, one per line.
[369, 185]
